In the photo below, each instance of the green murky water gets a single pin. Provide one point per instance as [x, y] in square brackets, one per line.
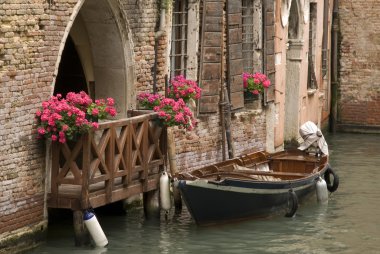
[349, 223]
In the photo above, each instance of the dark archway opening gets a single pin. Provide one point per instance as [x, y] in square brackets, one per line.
[71, 77]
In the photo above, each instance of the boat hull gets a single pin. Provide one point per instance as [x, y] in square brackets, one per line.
[212, 202]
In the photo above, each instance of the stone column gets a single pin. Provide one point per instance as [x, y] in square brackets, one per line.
[292, 90]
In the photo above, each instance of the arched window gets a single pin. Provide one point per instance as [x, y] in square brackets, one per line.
[293, 30]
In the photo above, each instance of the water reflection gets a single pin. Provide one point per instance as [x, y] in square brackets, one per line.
[347, 224]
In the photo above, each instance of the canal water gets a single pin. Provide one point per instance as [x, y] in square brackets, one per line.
[349, 223]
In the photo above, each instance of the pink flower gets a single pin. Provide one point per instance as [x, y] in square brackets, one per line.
[95, 112]
[175, 113]
[62, 118]
[180, 87]
[255, 83]
[179, 117]
[112, 111]
[41, 131]
[110, 101]
[161, 114]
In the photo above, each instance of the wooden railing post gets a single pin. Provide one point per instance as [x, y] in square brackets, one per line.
[87, 139]
[110, 157]
[128, 153]
[145, 144]
[54, 172]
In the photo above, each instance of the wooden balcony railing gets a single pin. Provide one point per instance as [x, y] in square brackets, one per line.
[120, 159]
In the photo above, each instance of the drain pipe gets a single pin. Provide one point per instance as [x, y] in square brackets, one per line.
[157, 36]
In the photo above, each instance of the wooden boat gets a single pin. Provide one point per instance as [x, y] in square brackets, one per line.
[253, 185]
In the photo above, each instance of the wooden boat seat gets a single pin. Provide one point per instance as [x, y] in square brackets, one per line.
[220, 175]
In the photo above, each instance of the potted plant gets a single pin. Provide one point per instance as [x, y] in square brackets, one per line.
[185, 89]
[61, 119]
[175, 113]
[176, 108]
[254, 84]
[149, 100]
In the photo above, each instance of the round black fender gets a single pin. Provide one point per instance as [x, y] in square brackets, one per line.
[334, 185]
[292, 204]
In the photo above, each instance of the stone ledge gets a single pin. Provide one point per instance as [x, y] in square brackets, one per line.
[23, 239]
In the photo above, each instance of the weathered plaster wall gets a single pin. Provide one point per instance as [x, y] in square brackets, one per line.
[291, 75]
[359, 73]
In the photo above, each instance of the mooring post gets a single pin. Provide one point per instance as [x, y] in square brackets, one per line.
[173, 169]
[151, 204]
[81, 235]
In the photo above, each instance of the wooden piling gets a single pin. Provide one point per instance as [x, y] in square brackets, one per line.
[151, 204]
[81, 235]
[173, 169]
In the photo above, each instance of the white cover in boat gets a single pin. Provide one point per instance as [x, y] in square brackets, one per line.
[311, 134]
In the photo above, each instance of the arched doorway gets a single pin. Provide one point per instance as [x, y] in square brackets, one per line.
[71, 77]
[293, 69]
[96, 53]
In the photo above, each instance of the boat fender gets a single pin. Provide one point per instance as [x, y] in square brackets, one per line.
[334, 185]
[94, 229]
[321, 189]
[292, 204]
[165, 192]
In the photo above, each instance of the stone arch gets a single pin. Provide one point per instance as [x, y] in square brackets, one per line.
[101, 35]
[293, 71]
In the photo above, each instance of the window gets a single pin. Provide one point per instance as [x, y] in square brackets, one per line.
[179, 39]
[252, 35]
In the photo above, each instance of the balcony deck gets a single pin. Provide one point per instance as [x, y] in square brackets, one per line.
[120, 159]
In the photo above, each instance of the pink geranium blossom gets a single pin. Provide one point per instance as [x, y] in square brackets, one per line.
[183, 88]
[63, 118]
[175, 113]
[255, 83]
[149, 100]
[172, 110]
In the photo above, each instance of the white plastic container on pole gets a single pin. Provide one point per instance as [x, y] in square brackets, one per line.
[165, 192]
[95, 229]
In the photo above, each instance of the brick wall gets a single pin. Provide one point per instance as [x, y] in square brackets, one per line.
[31, 33]
[142, 17]
[203, 146]
[359, 101]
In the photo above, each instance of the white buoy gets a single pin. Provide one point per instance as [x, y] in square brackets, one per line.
[94, 228]
[322, 192]
[165, 192]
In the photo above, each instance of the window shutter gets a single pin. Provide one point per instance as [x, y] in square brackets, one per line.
[210, 60]
[234, 53]
[269, 56]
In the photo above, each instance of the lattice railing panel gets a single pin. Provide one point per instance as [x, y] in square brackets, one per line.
[119, 153]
